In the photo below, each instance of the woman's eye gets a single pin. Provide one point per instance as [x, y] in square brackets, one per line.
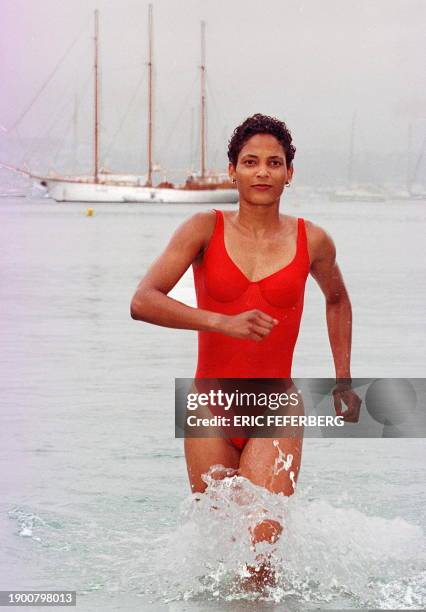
[275, 162]
[249, 162]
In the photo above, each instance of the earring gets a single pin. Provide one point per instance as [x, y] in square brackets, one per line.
[234, 180]
[287, 184]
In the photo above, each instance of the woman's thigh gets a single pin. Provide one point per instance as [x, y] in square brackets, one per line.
[202, 453]
[272, 463]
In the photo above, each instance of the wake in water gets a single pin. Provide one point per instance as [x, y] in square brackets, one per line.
[325, 554]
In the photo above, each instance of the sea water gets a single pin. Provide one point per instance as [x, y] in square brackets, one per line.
[94, 491]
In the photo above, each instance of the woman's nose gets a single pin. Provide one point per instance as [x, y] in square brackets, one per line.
[262, 171]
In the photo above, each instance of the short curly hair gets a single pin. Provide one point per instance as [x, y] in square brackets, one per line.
[260, 124]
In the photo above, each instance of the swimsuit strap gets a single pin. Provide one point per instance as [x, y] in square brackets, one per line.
[217, 230]
[302, 239]
[219, 220]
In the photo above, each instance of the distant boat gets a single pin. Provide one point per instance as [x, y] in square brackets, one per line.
[356, 195]
[412, 190]
[407, 195]
[203, 187]
[352, 193]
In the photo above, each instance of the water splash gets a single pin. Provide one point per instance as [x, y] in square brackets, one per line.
[281, 462]
[325, 554]
[329, 556]
[26, 521]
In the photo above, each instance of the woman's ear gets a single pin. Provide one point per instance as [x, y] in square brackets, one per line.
[231, 172]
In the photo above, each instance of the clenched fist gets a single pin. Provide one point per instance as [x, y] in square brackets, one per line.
[249, 325]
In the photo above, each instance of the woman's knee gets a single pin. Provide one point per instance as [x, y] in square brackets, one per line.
[266, 531]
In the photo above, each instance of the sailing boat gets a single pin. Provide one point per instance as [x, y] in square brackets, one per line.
[104, 187]
[351, 193]
[412, 190]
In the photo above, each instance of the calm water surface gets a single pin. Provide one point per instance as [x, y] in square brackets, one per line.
[94, 492]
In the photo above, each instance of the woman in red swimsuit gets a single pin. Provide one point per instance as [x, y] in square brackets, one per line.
[250, 268]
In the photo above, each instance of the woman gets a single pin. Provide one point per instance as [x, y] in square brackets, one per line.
[250, 268]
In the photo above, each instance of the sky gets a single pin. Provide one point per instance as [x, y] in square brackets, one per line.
[318, 65]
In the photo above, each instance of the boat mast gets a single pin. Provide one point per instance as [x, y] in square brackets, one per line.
[203, 102]
[75, 133]
[192, 154]
[149, 175]
[418, 164]
[409, 138]
[351, 151]
[96, 99]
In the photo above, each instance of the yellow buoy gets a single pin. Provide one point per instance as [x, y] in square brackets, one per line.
[89, 212]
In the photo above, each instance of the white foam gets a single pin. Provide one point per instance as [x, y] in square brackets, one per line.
[325, 553]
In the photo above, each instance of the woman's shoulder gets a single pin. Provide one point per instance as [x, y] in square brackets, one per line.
[201, 225]
[319, 240]
[315, 232]
[203, 221]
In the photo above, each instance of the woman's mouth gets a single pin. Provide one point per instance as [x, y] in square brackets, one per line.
[262, 187]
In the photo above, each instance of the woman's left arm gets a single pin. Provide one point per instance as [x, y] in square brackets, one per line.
[326, 272]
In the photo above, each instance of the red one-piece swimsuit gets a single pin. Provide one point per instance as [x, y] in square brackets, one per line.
[222, 287]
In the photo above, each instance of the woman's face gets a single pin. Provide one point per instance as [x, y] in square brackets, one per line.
[261, 171]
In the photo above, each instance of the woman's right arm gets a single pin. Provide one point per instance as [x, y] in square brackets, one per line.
[152, 304]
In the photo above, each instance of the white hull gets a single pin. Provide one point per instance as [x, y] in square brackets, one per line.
[356, 195]
[69, 191]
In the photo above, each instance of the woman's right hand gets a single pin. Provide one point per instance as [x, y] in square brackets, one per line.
[248, 325]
